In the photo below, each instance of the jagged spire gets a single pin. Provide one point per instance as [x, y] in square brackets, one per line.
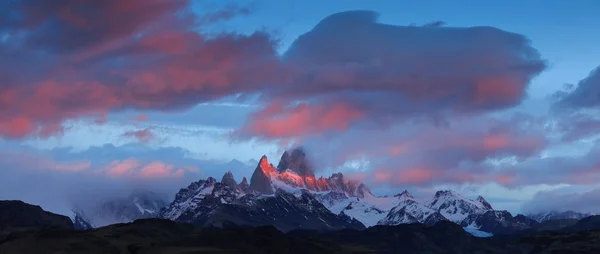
[244, 183]
[261, 178]
[283, 162]
[228, 180]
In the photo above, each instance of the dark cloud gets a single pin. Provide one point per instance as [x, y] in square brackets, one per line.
[557, 200]
[576, 109]
[585, 95]
[568, 169]
[383, 74]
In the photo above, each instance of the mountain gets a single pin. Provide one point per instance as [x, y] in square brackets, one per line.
[587, 223]
[138, 205]
[498, 222]
[555, 215]
[288, 197]
[368, 210]
[18, 214]
[80, 222]
[456, 207]
[340, 195]
[294, 172]
[226, 204]
[410, 211]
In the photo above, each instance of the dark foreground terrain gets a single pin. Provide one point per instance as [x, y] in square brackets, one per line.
[163, 236]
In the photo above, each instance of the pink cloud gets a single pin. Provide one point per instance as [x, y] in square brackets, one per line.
[134, 169]
[415, 176]
[93, 64]
[123, 168]
[159, 170]
[277, 121]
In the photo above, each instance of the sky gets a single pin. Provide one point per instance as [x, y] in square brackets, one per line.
[499, 99]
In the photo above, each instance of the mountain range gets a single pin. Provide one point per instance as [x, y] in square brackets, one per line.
[289, 197]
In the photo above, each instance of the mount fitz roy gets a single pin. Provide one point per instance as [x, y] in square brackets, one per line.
[290, 197]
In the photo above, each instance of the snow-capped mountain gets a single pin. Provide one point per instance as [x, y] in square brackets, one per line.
[226, 203]
[455, 207]
[410, 211]
[79, 221]
[368, 210]
[203, 197]
[498, 222]
[555, 215]
[341, 196]
[138, 205]
[290, 197]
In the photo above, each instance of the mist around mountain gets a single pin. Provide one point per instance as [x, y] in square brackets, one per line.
[282, 211]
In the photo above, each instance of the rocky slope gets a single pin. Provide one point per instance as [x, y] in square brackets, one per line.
[18, 214]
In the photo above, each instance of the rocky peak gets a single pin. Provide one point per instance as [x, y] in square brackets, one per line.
[228, 180]
[444, 193]
[363, 191]
[484, 202]
[261, 178]
[284, 162]
[297, 162]
[404, 195]
[211, 180]
[244, 184]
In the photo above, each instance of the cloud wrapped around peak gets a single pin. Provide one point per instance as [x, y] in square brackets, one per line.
[392, 73]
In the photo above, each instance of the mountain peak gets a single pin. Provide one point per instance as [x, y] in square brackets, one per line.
[404, 195]
[244, 184]
[264, 161]
[284, 161]
[446, 193]
[261, 178]
[296, 161]
[484, 202]
[228, 180]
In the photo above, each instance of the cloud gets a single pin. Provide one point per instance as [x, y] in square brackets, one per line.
[585, 95]
[148, 56]
[277, 121]
[133, 168]
[466, 151]
[576, 109]
[392, 73]
[561, 169]
[143, 136]
[55, 178]
[558, 200]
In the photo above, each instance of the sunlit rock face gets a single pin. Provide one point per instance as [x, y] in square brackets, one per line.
[261, 178]
[294, 171]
